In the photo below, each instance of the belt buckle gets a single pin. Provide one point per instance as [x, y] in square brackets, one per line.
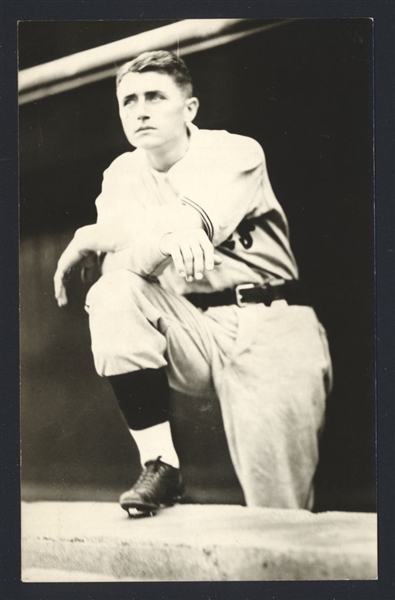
[238, 289]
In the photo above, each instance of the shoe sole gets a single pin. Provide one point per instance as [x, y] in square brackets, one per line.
[148, 509]
[140, 514]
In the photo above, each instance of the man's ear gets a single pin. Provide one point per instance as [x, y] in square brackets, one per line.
[191, 108]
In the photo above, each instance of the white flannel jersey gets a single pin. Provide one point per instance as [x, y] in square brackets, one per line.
[224, 177]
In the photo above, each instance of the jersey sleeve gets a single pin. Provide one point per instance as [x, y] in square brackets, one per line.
[229, 183]
[114, 203]
[123, 223]
[120, 214]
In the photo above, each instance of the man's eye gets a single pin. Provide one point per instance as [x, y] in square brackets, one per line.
[128, 101]
[156, 97]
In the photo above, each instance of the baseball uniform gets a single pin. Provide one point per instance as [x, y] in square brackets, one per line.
[269, 365]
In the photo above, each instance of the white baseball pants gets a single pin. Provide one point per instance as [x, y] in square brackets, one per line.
[269, 366]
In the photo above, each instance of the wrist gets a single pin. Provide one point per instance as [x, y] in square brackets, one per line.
[163, 244]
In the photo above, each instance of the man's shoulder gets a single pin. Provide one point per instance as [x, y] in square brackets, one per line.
[125, 162]
[225, 146]
[224, 138]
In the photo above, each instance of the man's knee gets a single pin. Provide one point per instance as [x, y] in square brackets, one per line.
[121, 320]
[115, 290]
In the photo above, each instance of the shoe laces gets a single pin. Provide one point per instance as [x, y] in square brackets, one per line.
[150, 473]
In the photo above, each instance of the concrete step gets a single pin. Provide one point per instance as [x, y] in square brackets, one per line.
[63, 540]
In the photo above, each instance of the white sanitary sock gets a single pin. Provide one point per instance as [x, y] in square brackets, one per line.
[156, 441]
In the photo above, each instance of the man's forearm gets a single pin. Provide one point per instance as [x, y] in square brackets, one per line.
[95, 238]
[86, 239]
[134, 243]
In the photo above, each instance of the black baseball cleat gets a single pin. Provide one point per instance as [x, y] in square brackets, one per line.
[159, 485]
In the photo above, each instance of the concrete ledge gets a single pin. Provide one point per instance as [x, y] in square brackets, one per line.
[194, 543]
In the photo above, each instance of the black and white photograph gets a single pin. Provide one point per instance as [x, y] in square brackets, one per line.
[197, 300]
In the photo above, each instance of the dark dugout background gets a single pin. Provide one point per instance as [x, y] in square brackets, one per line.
[304, 91]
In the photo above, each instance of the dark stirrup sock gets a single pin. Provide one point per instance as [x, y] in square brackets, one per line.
[143, 397]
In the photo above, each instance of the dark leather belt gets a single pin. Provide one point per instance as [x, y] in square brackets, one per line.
[293, 291]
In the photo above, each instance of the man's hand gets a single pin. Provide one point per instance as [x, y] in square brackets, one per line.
[70, 257]
[191, 251]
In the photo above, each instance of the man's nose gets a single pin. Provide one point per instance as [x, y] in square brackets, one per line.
[142, 112]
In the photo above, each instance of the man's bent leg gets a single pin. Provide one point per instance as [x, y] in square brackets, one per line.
[136, 324]
[125, 327]
[129, 329]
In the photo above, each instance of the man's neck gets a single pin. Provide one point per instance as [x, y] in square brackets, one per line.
[165, 158]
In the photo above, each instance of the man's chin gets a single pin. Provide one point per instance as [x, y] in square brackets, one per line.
[144, 144]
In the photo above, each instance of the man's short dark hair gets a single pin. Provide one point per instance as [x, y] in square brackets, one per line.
[161, 61]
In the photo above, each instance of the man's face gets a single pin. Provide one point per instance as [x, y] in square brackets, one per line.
[154, 110]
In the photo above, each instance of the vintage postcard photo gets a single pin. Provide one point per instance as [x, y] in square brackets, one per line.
[197, 300]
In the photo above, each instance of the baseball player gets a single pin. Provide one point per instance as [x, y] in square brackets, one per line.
[199, 291]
